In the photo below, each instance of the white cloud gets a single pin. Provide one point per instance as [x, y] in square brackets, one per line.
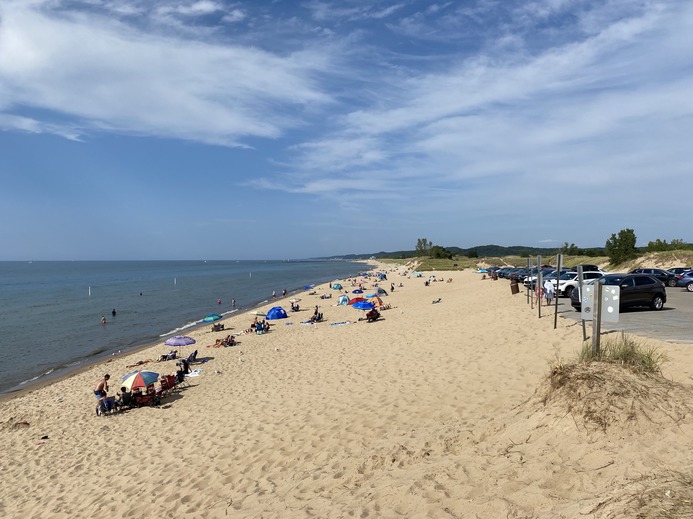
[109, 76]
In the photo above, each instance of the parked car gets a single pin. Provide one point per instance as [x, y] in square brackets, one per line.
[680, 270]
[686, 280]
[636, 290]
[587, 268]
[531, 278]
[569, 281]
[668, 278]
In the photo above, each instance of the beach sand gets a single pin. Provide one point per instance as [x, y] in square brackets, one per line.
[435, 410]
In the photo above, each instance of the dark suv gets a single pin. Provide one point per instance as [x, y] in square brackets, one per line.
[666, 277]
[636, 290]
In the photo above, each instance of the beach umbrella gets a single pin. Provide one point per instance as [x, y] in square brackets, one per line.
[357, 291]
[139, 379]
[356, 300]
[364, 305]
[211, 318]
[179, 340]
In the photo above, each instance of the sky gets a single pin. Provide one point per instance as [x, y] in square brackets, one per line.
[285, 129]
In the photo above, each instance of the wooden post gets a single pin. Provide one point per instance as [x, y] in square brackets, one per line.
[597, 318]
[559, 263]
[538, 287]
[580, 291]
[529, 289]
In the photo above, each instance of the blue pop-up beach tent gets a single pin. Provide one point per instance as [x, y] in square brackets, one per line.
[277, 312]
[343, 300]
[337, 286]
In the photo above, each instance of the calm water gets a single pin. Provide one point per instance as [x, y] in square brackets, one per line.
[50, 312]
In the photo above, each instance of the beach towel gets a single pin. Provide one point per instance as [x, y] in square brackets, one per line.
[340, 323]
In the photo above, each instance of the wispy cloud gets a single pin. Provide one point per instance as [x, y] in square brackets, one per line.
[124, 80]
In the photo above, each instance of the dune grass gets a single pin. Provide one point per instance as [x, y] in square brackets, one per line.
[628, 352]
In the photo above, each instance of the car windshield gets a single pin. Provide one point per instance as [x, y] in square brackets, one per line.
[612, 280]
[568, 275]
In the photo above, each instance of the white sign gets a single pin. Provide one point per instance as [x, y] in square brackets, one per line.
[587, 300]
[610, 302]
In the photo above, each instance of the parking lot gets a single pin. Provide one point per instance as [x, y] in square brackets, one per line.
[674, 323]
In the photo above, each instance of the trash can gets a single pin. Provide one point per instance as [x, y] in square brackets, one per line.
[514, 289]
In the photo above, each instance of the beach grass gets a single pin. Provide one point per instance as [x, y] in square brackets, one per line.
[626, 351]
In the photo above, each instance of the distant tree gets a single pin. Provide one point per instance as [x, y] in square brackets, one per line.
[662, 245]
[621, 247]
[571, 250]
[473, 253]
[440, 252]
[423, 247]
[679, 245]
[657, 246]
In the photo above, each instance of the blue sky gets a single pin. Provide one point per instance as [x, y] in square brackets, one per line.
[290, 129]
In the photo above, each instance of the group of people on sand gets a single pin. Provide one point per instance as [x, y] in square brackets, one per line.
[124, 398]
[137, 397]
[227, 341]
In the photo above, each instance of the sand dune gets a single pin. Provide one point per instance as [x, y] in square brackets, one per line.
[436, 410]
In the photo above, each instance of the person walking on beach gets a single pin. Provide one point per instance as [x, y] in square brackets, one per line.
[548, 291]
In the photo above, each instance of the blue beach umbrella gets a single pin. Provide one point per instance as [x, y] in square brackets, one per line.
[357, 291]
[364, 305]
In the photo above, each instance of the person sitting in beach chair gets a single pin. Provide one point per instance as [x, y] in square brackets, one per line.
[149, 398]
[372, 315]
[192, 357]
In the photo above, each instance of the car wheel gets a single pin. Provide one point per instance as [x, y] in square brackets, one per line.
[568, 290]
[671, 283]
[657, 303]
[689, 286]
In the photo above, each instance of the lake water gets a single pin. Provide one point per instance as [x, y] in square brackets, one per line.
[50, 312]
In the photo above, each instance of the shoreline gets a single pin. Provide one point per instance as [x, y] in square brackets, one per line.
[86, 363]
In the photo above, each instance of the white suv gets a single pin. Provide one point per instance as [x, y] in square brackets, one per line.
[569, 281]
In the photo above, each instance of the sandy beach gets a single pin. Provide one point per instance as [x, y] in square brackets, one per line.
[434, 410]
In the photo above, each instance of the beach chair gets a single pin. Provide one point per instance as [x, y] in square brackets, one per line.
[165, 388]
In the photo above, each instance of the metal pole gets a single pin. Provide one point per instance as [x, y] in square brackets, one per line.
[559, 263]
[597, 318]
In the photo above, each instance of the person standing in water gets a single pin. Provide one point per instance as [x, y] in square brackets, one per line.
[113, 312]
[103, 320]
